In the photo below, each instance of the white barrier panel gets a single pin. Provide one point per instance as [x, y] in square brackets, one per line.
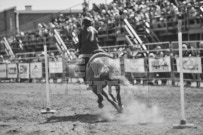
[12, 71]
[56, 67]
[3, 71]
[134, 65]
[117, 61]
[36, 70]
[160, 64]
[190, 65]
[24, 70]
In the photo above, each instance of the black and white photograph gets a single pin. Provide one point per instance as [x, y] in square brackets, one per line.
[101, 67]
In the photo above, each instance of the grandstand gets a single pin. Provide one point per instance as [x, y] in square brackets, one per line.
[156, 23]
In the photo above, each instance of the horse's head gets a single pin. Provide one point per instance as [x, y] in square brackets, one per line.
[107, 68]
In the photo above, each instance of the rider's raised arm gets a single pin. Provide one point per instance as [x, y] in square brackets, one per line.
[79, 43]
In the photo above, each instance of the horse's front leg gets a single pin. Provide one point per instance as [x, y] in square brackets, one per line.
[111, 101]
[110, 93]
[118, 89]
[100, 97]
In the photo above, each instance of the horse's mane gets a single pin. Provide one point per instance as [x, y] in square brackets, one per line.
[97, 55]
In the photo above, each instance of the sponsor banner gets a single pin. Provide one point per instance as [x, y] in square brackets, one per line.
[134, 65]
[56, 67]
[12, 71]
[160, 64]
[23, 70]
[3, 71]
[117, 61]
[36, 70]
[190, 65]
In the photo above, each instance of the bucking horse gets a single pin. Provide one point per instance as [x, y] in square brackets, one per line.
[102, 71]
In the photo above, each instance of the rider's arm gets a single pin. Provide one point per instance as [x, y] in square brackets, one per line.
[79, 43]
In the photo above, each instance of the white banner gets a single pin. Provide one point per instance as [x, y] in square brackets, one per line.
[3, 71]
[56, 67]
[190, 65]
[160, 64]
[134, 65]
[12, 70]
[36, 70]
[23, 70]
[117, 61]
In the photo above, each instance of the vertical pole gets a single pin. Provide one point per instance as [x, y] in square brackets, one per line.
[183, 123]
[47, 77]
[183, 120]
[17, 22]
[48, 109]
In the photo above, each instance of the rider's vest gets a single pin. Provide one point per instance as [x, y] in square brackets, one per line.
[88, 41]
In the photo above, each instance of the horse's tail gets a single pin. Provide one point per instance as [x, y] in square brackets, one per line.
[122, 80]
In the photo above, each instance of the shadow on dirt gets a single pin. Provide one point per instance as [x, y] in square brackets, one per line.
[85, 118]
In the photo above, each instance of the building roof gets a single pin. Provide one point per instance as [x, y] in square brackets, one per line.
[14, 7]
[48, 11]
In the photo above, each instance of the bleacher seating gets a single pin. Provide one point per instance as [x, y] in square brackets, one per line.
[161, 19]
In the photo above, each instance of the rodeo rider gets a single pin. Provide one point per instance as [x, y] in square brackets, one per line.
[88, 41]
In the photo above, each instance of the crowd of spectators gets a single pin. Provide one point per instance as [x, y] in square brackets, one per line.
[154, 11]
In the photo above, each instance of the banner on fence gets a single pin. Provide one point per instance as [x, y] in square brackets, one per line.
[12, 71]
[190, 65]
[134, 65]
[36, 70]
[56, 67]
[160, 64]
[3, 71]
[23, 70]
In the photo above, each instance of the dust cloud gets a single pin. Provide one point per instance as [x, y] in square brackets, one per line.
[134, 113]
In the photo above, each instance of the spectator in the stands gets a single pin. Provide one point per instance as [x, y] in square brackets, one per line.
[192, 12]
[187, 53]
[1, 59]
[52, 57]
[129, 52]
[201, 55]
[115, 53]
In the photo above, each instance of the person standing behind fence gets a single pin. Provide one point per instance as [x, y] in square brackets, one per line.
[187, 53]
[163, 75]
[201, 55]
[201, 49]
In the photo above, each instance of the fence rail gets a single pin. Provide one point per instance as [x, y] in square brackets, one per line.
[160, 65]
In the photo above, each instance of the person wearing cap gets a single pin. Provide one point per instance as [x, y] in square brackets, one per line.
[88, 38]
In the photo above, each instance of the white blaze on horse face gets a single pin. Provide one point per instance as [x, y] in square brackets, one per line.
[105, 65]
[97, 66]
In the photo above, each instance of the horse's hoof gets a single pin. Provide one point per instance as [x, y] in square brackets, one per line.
[121, 109]
[100, 106]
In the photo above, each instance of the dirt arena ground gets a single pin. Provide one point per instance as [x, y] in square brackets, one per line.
[149, 110]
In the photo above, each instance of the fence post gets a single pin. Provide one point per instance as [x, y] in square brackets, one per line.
[48, 107]
[183, 123]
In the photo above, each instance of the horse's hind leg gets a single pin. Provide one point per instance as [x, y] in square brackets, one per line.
[111, 101]
[119, 98]
[100, 97]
